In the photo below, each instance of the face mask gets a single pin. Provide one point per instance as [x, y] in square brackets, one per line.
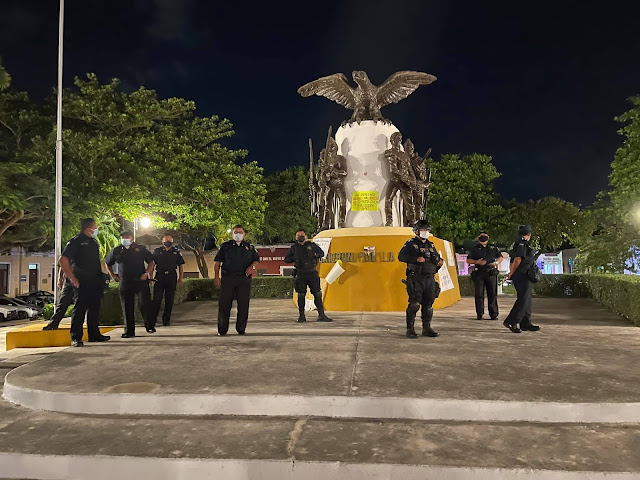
[167, 244]
[301, 238]
[238, 237]
[95, 233]
[126, 242]
[424, 234]
[483, 238]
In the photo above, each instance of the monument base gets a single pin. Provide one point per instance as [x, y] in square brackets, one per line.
[372, 280]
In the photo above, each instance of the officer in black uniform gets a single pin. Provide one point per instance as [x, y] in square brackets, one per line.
[134, 281]
[80, 262]
[238, 259]
[65, 300]
[522, 258]
[305, 255]
[486, 258]
[423, 262]
[167, 260]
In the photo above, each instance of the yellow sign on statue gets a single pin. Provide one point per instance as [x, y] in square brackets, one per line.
[364, 201]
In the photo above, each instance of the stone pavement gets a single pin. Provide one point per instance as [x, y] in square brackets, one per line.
[182, 403]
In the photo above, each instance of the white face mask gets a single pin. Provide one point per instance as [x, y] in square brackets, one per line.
[238, 237]
[95, 233]
[425, 234]
[126, 242]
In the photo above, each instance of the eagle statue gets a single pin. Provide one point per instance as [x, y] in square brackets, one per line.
[366, 99]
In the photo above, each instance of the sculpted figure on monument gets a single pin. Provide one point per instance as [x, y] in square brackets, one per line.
[366, 99]
[332, 171]
[402, 180]
[419, 168]
[321, 187]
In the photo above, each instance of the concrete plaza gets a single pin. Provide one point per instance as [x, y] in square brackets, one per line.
[350, 399]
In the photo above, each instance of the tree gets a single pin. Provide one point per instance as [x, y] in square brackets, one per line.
[288, 206]
[5, 78]
[26, 186]
[462, 199]
[131, 154]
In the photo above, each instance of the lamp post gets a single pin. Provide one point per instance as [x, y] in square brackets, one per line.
[58, 201]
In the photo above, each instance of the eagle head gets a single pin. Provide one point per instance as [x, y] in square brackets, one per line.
[360, 77]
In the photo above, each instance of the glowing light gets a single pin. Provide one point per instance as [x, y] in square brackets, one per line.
[228, 230]
[145, 222]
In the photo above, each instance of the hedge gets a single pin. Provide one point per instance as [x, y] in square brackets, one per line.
[619, 293]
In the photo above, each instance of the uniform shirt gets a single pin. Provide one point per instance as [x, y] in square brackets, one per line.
[131, 261]
[305, 256]
[167, 260]
[415, 248]
[490, 253]
[522, 249]
[84, 254]
[236, 258]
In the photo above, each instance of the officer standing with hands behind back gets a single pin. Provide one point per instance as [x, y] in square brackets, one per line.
[423, 262]
[167, 259]
[305, 255]
[134, 281]
[238, 259]
[486, 259]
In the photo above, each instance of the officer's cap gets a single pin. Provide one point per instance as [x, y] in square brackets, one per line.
[126, 233]
[524, 229]
[422, 225]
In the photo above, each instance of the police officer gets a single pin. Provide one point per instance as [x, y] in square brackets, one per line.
[305, 255]
[65, 300]
[486, 258]
[423, 262]
[80, 262]
[134, 281]
[522, 258]
[167, 259]
[238, 259]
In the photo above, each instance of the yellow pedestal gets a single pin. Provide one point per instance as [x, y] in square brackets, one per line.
[372, 281]
[32, 336]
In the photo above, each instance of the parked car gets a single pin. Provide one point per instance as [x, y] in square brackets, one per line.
[40, 298]
[24, 309]
[8, 313]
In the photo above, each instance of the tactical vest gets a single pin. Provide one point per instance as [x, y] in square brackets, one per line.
[431, 257]
[304, 257]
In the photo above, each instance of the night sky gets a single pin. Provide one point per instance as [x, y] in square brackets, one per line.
[533, 84]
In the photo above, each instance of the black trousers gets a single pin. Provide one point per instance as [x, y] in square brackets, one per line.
[482, 282]
[66, 299]
[421, 290]
[521, 311]
[128, 292]
[164, 285]
[238, 288]
[88, 299]
[309, 279]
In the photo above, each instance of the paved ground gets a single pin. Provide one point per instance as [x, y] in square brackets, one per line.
[589, 360]
[582, 354]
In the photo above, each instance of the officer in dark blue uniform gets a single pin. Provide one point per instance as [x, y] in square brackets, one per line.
[134, 281]
[238, 260]
[423, 262]
[65, 300]
[522, 259]
[486, 258]
[167, 259]
[80, 262]
[305, 255]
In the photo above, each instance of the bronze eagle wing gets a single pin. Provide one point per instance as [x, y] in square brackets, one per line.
[400, 85]
[335, 87]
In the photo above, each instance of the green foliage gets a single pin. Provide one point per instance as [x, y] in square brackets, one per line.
[462, 199]
[26, 188]
[5, 78]
[620, 293]
[47, 311]
[288, 206]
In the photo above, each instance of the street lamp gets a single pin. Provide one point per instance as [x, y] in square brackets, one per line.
[144, 222]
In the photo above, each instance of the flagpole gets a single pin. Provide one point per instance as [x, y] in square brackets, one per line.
[58, 212]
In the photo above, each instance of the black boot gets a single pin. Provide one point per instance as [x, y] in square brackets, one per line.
[529, 327]
[512, 327]
[427, 331]
[411, 332]
[302, 318]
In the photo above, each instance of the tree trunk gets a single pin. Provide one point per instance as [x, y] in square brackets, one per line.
[202, 262]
